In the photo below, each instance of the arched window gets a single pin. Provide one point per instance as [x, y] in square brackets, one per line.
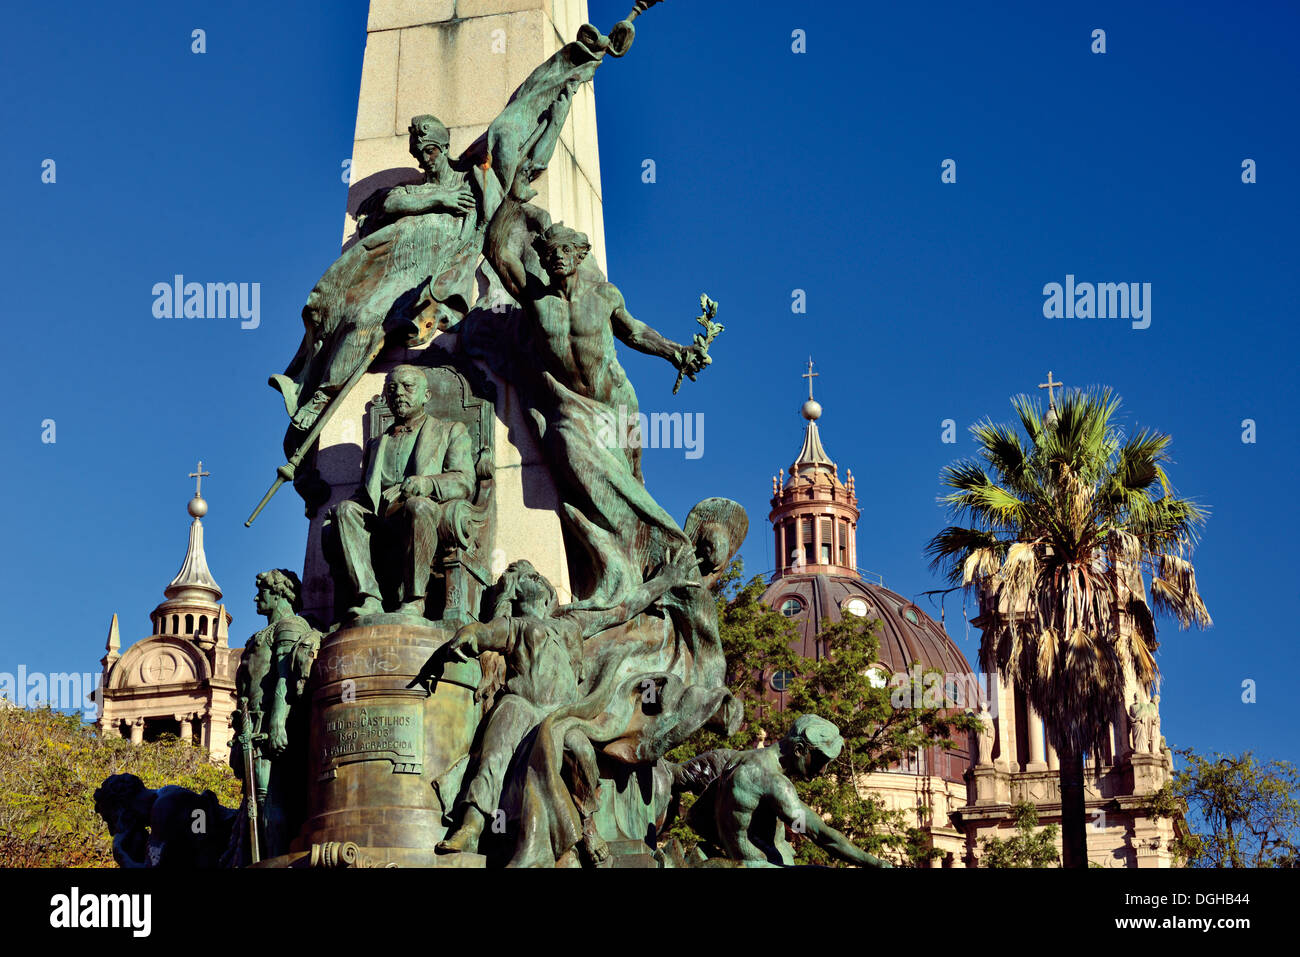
[203, 624]
[189, 624]
[176, 624]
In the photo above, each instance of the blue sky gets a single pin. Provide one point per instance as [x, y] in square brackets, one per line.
[775, 171]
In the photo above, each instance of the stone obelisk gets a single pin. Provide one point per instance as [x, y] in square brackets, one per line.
[384, 756]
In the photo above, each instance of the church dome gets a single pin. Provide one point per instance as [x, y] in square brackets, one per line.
[907, 634]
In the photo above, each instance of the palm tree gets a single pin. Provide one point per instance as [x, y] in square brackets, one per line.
[1060, 531]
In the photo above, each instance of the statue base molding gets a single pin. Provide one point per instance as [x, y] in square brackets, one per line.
[334, 855]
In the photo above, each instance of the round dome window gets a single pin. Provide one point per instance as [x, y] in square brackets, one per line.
[791, 607]
[781, 680]
[856, 606]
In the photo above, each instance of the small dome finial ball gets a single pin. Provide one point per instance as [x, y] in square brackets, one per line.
[198, 507]
[812, 409]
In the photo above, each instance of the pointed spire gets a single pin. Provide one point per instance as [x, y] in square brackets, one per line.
[112, 651]
[812, 453]
[194, 580]
[222, 629]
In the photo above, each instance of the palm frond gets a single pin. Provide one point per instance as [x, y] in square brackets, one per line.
[980, 563]
[1174, 591]
[1138, 461]
[1001, 447]
[1031, 420]
[949, 550]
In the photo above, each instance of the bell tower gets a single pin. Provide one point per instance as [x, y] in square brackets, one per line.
[814, 515]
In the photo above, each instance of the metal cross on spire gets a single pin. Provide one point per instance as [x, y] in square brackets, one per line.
[1050, 386]
[810, 375]
[200, 475]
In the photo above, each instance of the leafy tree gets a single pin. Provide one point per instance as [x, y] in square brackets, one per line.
[757, 641]
[1063, 524]
[50, 766]
[1249, 811]
[877, 736]
[1027, 847]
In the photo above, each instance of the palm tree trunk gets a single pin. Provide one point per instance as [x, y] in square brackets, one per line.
[1074, 823]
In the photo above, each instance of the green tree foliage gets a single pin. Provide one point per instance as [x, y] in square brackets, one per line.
[50, 766]
[1247, 812]
[757, 641]
[1027, 847]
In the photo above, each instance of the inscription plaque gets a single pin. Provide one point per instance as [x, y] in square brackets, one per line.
[373, 732]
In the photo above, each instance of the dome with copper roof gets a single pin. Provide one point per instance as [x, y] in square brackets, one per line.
[907, 634]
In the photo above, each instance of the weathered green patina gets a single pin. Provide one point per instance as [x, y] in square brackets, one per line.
[746, 799]
[413, 479]
[411, 269]
[542, 645]
[580, 398]
[271, 687]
